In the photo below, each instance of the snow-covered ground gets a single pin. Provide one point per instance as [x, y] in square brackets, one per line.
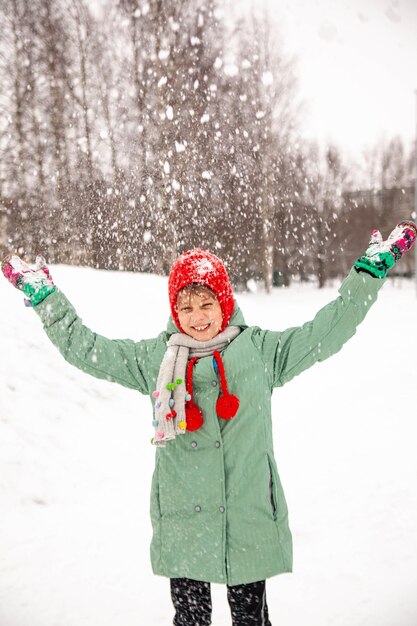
[76, 464]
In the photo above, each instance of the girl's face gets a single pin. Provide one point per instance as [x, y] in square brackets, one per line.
[199, 313]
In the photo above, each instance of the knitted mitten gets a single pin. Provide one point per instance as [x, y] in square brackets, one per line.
[35, 284]
[381, 256]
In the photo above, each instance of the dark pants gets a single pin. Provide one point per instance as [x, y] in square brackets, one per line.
[192, 602]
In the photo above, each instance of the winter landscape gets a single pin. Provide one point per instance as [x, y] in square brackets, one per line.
[277, 135]
[76, 465]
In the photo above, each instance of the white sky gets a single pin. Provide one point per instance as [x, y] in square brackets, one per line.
[357, 67]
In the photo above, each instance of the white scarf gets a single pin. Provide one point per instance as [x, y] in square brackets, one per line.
[171, 393]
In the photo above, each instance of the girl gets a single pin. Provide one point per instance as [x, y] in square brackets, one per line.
[217, 506]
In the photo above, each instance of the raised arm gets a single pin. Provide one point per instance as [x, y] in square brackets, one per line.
[122, 361]
[286, 354]
[289, 353]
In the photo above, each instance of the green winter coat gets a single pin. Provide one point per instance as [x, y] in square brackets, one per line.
[217, 506]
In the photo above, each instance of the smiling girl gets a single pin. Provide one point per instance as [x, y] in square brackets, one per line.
[199, 312]
[217, 505]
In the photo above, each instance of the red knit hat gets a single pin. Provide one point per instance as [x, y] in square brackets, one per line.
[204, 268]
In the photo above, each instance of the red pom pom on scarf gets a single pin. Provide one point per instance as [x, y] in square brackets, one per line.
[193, 416]
[227, 406]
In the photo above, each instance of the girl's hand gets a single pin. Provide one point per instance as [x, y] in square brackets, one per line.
[381, 256]
[36, 284]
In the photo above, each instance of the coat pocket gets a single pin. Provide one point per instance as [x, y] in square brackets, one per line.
[272, 490]
[155, 508]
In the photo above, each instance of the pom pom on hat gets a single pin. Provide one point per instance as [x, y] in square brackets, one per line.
[203, 268]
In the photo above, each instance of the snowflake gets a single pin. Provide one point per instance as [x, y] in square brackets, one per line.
[204, 266]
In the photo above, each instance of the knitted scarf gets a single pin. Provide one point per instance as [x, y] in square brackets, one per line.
[175, 410]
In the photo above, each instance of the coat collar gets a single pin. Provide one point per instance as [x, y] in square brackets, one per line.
[237, 319]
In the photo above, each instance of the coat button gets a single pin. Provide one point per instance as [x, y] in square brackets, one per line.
[217, 444]
[193, 444]
[221, 509]
[197, 508]
[214, 383]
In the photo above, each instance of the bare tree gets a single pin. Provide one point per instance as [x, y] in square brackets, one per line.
[324, 199]
[186, 156]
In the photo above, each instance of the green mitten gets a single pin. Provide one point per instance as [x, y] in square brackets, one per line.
[381, 256]
[35, 284]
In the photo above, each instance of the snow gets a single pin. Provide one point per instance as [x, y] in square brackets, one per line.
[267, 79]
[76, 465]
[179, 147]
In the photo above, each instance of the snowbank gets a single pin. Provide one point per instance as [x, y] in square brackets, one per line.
[76, 464]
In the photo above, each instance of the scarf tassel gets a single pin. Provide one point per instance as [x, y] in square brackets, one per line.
[228, 404]
[193, 414]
